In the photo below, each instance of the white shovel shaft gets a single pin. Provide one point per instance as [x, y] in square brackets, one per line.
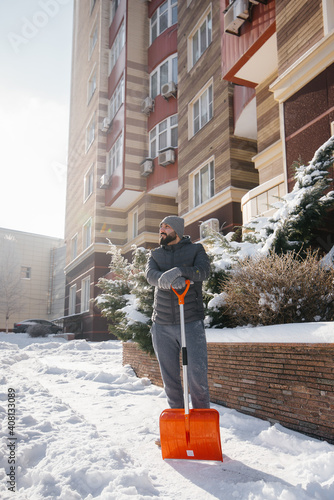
[184, 364]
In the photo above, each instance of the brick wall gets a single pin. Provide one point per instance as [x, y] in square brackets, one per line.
[292, 384]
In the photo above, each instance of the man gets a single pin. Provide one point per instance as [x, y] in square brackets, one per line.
[176, 260]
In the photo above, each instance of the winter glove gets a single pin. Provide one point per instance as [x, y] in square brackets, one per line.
[166, 279]
[179, 283]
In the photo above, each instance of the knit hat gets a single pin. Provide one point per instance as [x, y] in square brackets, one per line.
[176, 223]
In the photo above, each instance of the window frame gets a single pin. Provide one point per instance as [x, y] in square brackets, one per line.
[206, 19]
[72, 300]
[115, 151]
[156, 132]
[197, 186]
[192, 118]
[74, 246]
[117, 99]
[169, 6]
[89, 183]
[117, 46]
[92, 84]
[25, 273]
[85, 294]
[90, 133]
[93, 40]
[87, 233]
[172, 76]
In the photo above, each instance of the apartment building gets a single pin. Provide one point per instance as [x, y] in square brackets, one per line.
[32, 279]
[196, 108]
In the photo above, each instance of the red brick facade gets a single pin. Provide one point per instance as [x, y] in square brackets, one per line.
[292, 384]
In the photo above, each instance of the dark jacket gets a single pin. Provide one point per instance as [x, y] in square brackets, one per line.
[194, 263]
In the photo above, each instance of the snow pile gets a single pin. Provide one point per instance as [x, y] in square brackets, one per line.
[86, 425]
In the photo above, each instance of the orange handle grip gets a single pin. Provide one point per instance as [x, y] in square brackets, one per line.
[181, 296]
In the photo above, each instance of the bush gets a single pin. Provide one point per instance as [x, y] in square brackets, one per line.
[278, 289]
[38, 330]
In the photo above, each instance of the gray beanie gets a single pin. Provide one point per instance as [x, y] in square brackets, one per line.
[176, 223]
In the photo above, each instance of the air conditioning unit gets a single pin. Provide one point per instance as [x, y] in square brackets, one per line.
[106, 124]
[147, 105]
[207, 227]
[146, 167]
[168, 90]
[235, 16]
[104, 181]
[166, 157]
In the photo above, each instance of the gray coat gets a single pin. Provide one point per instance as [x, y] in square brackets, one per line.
[194, 263]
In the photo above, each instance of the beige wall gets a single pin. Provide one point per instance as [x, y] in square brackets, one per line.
[41, 295]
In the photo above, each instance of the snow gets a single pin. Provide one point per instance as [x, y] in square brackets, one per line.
[86, 426]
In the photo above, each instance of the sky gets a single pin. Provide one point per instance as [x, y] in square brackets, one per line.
[35, 55]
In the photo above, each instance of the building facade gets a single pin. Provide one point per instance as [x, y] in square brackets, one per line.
[32, 278]
[196, 108]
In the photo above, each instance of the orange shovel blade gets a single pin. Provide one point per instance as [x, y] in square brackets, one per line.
[195, 436]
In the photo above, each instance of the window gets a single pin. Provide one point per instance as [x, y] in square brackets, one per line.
[92, 4]
[115, 156]
[90, 133]
[72, 300]
[163, 17]
[204, 184]
[113, 7]
[92, 40]
[135, 224]
[74, 247]
[25, 273]
[88, 183]
[87, 234]
[166, 72]
[200, 38]
[91, 85]
[116, 99]
[201, 110]
[164, 135]
[85, 294]
[117, 47]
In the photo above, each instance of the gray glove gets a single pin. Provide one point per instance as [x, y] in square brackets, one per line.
[179, 283]
[166, 279]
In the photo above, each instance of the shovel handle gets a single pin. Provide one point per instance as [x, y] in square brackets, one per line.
[181, 296]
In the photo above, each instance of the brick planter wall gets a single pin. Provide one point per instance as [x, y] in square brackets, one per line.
[292, 384]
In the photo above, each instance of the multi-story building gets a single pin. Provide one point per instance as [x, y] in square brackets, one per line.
[186, 108]
[32, 279]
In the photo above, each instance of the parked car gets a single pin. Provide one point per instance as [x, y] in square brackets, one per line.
[24, 325]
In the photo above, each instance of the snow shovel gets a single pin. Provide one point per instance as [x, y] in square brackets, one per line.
[189, 434]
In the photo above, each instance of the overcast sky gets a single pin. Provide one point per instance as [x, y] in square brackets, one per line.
[35, 55]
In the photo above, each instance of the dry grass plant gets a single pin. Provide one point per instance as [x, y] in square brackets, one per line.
[279, 289]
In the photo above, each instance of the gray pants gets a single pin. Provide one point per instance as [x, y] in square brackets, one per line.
[167, 345]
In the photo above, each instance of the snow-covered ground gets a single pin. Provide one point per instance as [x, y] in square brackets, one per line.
[85, 428]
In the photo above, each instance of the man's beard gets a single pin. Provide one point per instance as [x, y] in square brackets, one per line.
[165, 239]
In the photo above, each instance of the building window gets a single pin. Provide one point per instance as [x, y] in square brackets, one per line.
[72, 300]
[116, 99]
[201, 110]
[163, 17]
[135, 224]
[92, 40]
[85, 294]
[200, 38]
[92, 5]
[113, 7]
[91, 85]
[74, 247]
[90, 133]
[88, 183]
[115, 156]
[164, 135]
[25, 273]
[166, 72]
[87, 234]
[204, 184]
[117, 47]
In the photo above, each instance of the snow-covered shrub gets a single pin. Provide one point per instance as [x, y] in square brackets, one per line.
[127, 298]
[278, 289]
